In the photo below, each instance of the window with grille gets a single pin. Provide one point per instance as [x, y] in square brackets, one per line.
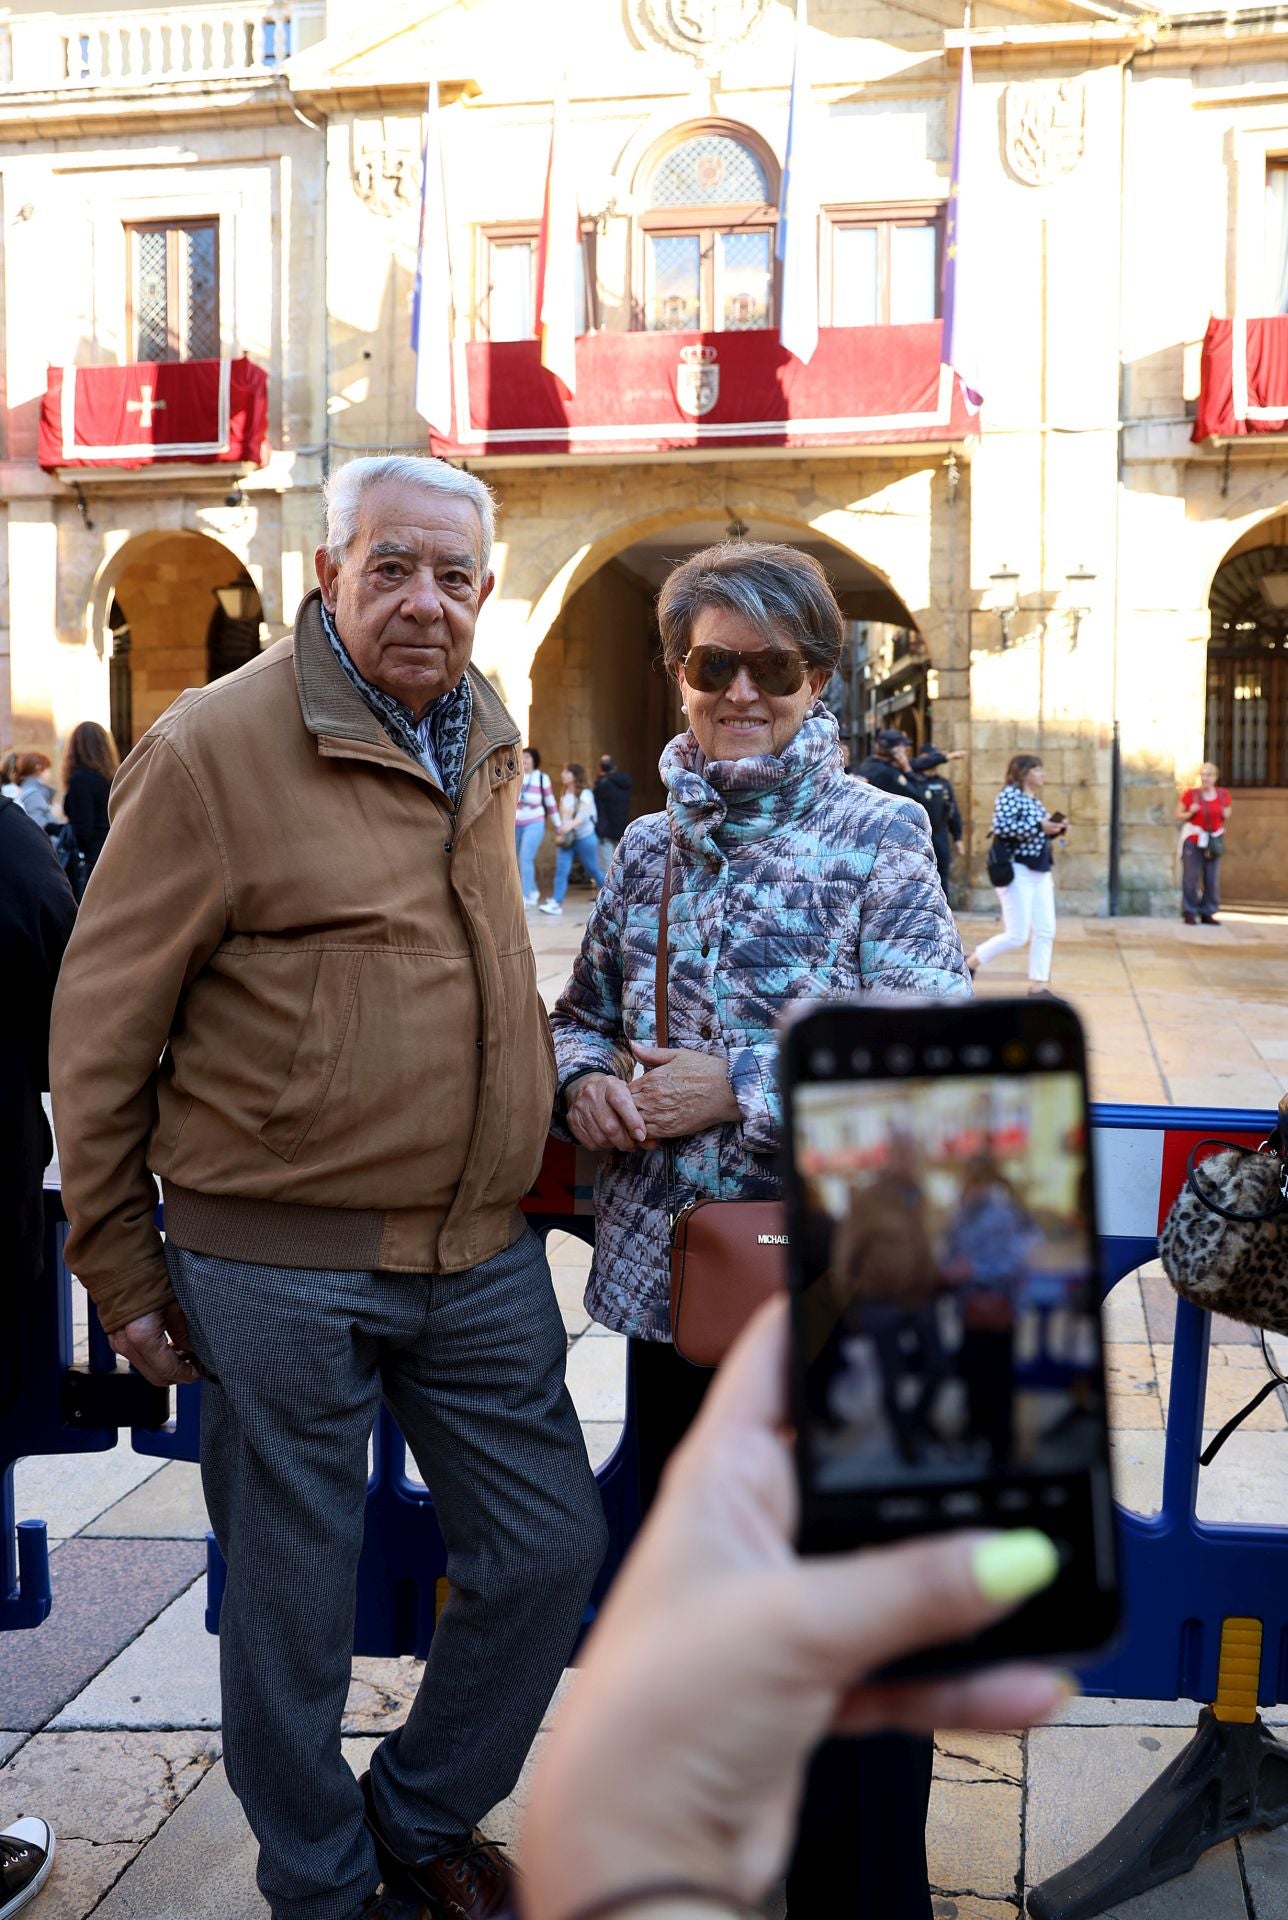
[174, 291]
[506, 308]
[1247, 715]
[706, 242]
[884, 266]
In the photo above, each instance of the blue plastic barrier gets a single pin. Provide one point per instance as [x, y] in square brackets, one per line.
[1182, 1576]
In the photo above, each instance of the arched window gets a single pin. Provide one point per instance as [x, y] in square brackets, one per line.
[707, 233]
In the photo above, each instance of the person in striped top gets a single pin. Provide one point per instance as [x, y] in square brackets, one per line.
[536, 806]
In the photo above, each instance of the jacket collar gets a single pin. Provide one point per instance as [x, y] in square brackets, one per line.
[342, 722]
[715, 803]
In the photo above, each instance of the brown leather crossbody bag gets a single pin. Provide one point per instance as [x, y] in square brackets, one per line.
[727, 1256]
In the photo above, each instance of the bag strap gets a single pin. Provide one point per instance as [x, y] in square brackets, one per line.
[661, 1011]
[1271, 1212]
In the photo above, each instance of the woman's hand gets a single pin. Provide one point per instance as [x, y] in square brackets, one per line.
[722, 1658]
[601, 1112]
[682, 1092]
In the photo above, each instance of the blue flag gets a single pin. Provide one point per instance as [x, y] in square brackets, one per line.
[960, 349]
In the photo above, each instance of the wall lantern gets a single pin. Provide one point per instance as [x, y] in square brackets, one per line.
[239, 600]
[1079, 583]
[1006, 599]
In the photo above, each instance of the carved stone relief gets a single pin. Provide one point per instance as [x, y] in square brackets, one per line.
[1045, 129]
[386, 165]
[697, 27]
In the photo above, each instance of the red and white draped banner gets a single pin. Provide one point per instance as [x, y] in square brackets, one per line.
[1243, 381]
[656, 392]
[212, 411]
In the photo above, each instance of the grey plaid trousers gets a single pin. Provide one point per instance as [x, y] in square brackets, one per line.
[472, 1366]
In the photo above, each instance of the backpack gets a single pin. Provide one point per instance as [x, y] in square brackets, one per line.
[70, 857]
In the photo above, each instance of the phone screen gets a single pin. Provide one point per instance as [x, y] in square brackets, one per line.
[947, 1288]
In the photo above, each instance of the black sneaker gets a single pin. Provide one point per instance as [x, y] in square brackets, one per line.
[26, 1857]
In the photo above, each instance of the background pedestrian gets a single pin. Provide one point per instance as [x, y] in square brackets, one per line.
[940, 802]
[1204, 811]
[35, 795]
[535, 806]
[89, 766]
[575, 835]
[612, 807]
[1023, 826]
[888, 766]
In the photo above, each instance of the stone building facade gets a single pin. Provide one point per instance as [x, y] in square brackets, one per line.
[1042, 576]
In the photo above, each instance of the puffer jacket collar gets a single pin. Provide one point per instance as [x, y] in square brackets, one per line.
[714, 804]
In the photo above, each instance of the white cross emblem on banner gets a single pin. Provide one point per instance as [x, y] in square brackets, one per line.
[145, 406]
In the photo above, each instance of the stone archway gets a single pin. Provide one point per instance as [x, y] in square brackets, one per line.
[169, 631]
[1246, 709]
[596, 677]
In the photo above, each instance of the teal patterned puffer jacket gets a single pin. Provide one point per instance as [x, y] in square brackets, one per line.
[790, 881]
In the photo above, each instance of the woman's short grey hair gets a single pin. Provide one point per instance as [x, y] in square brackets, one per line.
[779, 590]
[344, 491]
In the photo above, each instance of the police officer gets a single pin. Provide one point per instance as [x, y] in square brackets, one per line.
[888, 766]
[940, 802]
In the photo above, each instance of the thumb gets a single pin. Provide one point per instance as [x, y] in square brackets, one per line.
[653, 1056]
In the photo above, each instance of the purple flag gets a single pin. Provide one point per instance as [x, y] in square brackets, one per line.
[960, 349]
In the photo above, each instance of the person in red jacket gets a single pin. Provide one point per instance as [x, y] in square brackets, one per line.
[1203, 812]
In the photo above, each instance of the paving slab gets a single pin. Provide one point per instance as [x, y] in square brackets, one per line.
[1229, 1389]
[381, 1693]
[10, 1743]
[973, 1840]
[964, 1906]
[168, 1677]
[201, 1866]
[83, 1872]
[597, 1378]
[1132, 1380]
[105, 1593]
[68, 1490]
[169, 1506]
[107, 1787]
[1265, 1865]
[1123, 1312]
[978, 1757]
[1081, 1781]
[601, 1437]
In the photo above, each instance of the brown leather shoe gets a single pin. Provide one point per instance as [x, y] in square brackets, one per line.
[471, 1880]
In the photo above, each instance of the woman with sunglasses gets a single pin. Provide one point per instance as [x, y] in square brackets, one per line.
[788, 882]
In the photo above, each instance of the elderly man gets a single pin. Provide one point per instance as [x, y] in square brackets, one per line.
[301, 991]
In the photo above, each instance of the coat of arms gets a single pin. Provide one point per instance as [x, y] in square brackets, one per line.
[386, 166]
[1045, 129]
[697, 381]
[694, 26]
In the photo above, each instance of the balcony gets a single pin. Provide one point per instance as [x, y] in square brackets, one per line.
[55, 52]
[1243, 381]
[645, 394]
[153, 413]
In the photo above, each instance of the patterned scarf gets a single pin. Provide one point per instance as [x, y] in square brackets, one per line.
[438, 741]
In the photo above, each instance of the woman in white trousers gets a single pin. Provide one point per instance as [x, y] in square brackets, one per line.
[1022, 824]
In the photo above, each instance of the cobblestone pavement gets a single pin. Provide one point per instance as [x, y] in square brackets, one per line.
[109, 1714]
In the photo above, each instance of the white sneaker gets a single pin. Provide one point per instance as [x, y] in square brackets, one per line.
[27, 1855]
[531, 899]
[550, 906]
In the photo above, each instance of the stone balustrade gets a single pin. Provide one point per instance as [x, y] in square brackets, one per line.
[172, 45]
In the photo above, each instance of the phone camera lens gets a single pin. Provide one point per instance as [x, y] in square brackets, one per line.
[1050, 1053]
[899, 1059]
[860, 1061]
[822, 1062]
[938, 1059]
[975, 1056]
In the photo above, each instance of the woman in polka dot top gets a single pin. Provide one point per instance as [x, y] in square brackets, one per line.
[1024, 829]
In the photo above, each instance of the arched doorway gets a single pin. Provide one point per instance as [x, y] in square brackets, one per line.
[597, 679]
[1246, 714]
[181, 611]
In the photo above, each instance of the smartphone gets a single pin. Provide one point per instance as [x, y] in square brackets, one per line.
[947, 1356]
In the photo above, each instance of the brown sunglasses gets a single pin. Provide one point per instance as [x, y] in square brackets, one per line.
[775, 670]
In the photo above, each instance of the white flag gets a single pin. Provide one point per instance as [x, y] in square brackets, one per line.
[557, 245]
[431, 307]
[797, 242]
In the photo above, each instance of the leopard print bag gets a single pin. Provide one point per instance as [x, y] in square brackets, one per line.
[1224, 1245]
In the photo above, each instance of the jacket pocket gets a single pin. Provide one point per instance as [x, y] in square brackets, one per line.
[321, 1040]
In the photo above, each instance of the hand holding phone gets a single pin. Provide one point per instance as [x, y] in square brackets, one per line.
[947, 1349]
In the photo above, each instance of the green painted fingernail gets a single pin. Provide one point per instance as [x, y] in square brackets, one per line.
[1011, 1566]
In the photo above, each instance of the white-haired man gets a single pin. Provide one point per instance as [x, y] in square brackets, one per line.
[308, 914]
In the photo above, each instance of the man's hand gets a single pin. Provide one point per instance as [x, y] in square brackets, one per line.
[602, 1113]
[682, 1092]
[959, 846]
[158, 1344]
